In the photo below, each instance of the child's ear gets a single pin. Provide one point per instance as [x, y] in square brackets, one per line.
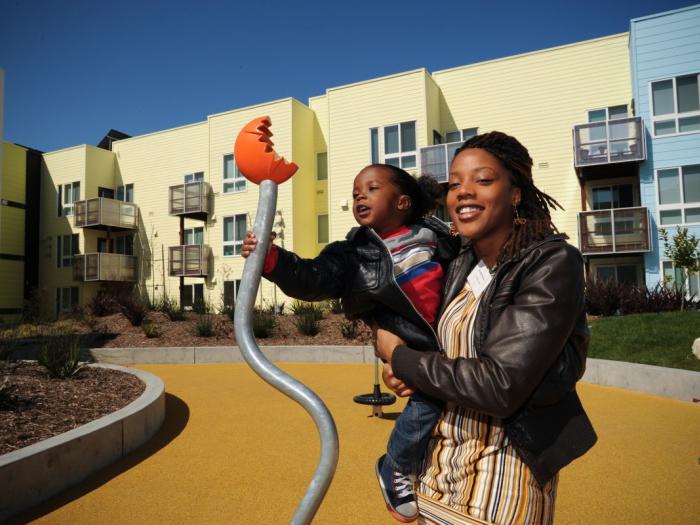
[404, 203]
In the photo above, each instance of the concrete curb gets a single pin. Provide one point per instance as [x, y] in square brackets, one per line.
[666, 382]
[32, 474]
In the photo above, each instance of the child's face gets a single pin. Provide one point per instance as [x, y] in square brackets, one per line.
[376, 201]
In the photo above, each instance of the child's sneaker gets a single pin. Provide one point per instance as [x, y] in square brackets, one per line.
[398, 491]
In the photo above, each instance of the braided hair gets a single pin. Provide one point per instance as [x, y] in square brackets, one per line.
[423, 191]
[535, 205]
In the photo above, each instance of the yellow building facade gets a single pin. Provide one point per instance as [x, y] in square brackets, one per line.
[413, 119]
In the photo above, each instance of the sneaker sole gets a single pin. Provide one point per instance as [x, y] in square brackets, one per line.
[389, 507]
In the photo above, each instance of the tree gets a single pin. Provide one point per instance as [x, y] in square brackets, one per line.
[683, 253]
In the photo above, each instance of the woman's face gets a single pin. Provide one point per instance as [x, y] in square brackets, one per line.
[480, 198]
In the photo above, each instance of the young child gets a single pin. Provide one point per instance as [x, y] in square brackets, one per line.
[389, 272]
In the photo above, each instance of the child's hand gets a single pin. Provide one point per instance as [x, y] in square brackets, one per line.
[396, 385]
[251, 242]
[385, 343]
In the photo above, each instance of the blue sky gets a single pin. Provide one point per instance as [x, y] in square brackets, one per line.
[75, 69]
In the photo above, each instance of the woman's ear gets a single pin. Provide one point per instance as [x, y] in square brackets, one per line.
[517, 196]
[404, 203]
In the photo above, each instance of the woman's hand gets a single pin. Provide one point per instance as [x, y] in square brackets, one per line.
[251, 242]
[386, 342]
[396, 385]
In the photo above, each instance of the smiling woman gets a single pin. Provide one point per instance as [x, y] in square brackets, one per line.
[515, 337]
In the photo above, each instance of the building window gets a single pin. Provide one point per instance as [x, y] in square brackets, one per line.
[234, 181]
[679, 195]
[608, 197]
[68, 194]
[676, 105]
[66, 299]
[374, 145]
[461, 135]
[234, 233]
[231, 292]
[322, 166]
[191, 293]
[194, 177]
[622, 273]
[194, 235]
[125, 193]
[322, 229]
[437, 138]
[677, 278]
[124, 245]
[400, 145]
[66, 247]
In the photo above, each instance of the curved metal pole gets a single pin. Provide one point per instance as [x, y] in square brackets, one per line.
[243, 322]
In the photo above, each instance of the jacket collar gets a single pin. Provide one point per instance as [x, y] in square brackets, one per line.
[429, 221]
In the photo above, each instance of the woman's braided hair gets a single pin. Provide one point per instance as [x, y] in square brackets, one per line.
[535, 205]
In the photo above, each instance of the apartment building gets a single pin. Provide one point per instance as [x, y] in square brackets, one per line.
[167, 211]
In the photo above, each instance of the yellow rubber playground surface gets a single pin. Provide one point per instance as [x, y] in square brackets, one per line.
[233, 450]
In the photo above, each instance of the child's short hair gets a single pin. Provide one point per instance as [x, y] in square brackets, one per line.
[424, 191]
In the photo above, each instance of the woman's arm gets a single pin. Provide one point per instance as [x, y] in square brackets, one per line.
[520, 347]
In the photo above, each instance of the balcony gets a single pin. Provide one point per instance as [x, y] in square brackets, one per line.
[435, 160]
[189, 260]
[620, 230]
[609, 142]
[105, 267]
[191, 199]
[106, 214]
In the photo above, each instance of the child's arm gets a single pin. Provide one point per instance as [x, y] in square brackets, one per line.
[323, 277]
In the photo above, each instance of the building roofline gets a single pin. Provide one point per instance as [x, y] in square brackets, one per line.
[529, 53]
[63, 150]
[121, 141]
[378, 79]
[268, 103]
[664, 13]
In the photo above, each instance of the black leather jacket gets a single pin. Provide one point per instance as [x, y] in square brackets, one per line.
[531, 337]
[360, 271]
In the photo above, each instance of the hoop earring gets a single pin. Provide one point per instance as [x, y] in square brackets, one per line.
[518, 221]
[453, 230]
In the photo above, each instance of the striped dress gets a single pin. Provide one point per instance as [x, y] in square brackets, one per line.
[472, 474]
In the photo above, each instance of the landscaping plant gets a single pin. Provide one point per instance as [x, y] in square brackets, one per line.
[682, 251]
[60, 355]
[264, 322]
[7, 394]
[133, 308]
[103, 303]
[308, 323]
[350, 329]
[205, 326]
[150, 330]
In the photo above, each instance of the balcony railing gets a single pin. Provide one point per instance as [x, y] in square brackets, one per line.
[191, 198]
[189, 260]
[435, 160]
[103, 213]
[105, 267]
[620, 230]
[610, 141]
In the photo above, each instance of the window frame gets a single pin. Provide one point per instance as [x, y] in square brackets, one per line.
[66, 209]
[380, 143]
[123, 193]
[193, 231]
[319, 164]
[236, 288]
[675, 116]
[65, 260]
[237, 244]
[197, 176]
[462, 134]
[681, 206]
[73, 295]
[235, 180]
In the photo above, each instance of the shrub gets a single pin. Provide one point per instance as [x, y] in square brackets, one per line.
[205, 326]
[335, 306]
[200, 306]
[308, 323]
[133, 308]
[229, 310]
[170, 307]
[350, 329]
[103, 303]
[603, 296]
[60, 355]
[263, 323]
[7, 394]
[34, 309]
[150, 330]
[303, 308]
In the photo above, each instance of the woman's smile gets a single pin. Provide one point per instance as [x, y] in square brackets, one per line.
[468, 212]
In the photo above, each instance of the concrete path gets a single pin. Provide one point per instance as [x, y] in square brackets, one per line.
[233, 450]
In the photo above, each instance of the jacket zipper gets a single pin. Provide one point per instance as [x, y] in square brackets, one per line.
[393, 278]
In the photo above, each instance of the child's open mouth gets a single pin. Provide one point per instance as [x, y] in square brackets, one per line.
[362, 211]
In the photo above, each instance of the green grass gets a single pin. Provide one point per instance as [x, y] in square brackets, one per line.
[662, 339]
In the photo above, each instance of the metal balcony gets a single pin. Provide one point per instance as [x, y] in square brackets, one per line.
[620, 230]
[103, 214]
[105, 267]
[189, 260]
[191, 199]
[435, 160]
[609, 142]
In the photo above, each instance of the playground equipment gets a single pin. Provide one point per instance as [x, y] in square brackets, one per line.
[377, 399]
[259, 163]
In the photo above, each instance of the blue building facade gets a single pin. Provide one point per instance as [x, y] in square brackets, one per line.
[665, 65]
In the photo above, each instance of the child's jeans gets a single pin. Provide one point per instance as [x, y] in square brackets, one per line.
[411, 433]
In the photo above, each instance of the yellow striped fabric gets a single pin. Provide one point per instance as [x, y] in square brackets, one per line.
[472, 474]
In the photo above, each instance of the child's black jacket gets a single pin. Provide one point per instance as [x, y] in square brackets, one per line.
[360, 271]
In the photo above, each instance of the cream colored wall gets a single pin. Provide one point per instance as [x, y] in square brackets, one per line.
[352, 111]
[304, 181]
[319, 107]
[153, 163]
[538, 98]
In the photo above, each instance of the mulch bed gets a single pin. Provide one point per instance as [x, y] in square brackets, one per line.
[46, 407]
